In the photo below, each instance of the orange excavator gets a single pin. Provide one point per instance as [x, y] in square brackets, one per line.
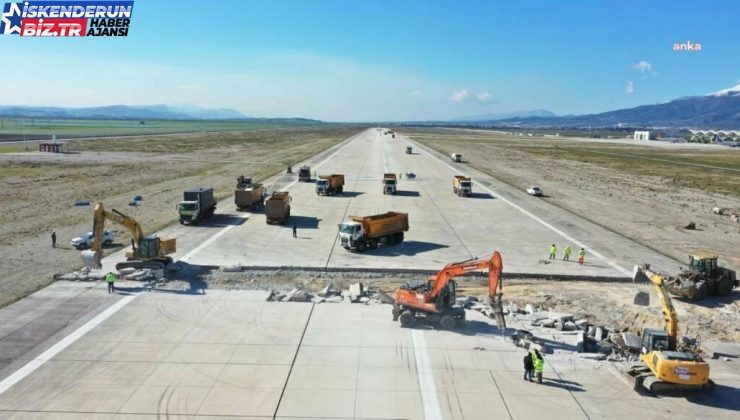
[434, 301]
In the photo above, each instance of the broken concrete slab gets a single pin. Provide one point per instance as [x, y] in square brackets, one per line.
[355, 291]
[326, 290]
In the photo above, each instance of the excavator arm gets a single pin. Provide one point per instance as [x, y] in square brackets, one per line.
[669, 311]
[92, 257]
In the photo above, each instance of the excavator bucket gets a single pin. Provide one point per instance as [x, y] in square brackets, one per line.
[639, 276]
[642, 299]
[91, 259]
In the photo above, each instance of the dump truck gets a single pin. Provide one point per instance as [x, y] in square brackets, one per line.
[456, 157]
[277, 207]
[330, 184]
[247, 195]
[304, 174]
[389, 184]
[360, 233]
[462, 185]
[196, 206]
[409, 150]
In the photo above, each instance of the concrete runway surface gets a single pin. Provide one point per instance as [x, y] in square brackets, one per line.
[230, 354]
[443, 227]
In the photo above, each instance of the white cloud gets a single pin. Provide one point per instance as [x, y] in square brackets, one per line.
[463, 95]
[629, 89]
[483, 97]
[459, 95]
[643, 67]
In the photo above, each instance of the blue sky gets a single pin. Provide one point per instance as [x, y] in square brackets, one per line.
[344, 60]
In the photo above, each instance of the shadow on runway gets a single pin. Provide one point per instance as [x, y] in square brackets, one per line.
[347, 194]
[405, 193]
[562, 383]
[406, 248]
[483, 196]
[721, 396]
[302, 222]
[222, 220]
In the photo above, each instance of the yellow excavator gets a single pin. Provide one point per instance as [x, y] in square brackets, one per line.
[663, 366]
[147, 251]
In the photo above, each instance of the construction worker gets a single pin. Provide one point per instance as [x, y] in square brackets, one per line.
[581, 256]
[528, 367]
[553, 251]
[566, 253]
[295, 230]
[110, 278]
[53, 239]
[539, 364]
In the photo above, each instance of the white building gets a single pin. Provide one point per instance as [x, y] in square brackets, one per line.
[642, 135]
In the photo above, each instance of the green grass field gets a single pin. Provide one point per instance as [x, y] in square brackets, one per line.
[18, 127]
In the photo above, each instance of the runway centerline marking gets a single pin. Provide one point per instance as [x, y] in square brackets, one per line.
[429, 396]
[52, 351]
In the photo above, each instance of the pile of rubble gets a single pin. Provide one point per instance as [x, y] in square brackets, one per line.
[356, 293]
[144, 274]
[83, 274]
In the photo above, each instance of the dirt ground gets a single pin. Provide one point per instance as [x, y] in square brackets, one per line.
[645, 193]
[38, 191]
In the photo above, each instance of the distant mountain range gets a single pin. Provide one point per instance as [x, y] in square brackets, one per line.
[507, 115]
[160, 112]
[720, 110]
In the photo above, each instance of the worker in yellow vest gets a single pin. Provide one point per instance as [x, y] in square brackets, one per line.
[110, 278]
[553, 251]
[566, 253]
[539, 364]
[581, 256]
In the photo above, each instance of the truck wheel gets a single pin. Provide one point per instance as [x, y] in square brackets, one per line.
[447, 322]
[407, 319]
[399, 238]
[361, 247]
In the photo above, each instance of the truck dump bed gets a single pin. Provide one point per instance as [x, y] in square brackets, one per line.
[203, 195]
[277, 207]
[335, 180]
[383, 224]
[389, 176]
[457, 179]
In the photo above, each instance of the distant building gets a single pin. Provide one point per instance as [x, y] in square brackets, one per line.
[642, 135]
[53, 146]
[714, 136]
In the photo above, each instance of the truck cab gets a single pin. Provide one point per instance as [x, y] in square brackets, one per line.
[304, 174]
[409, 150]
[389, 185]
[350, 233]
[322, 185]
[189, 211]
[466, 188]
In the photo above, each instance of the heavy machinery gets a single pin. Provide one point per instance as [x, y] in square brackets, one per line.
[462, 185]
[330, 184]
[663, 366]
[360, 233]
[277, 207]
[196, 206]
[702, 278]
[434, 301]
[409, 150]
[304, 174]
[147, 251]
[389, 183]
[247, 195]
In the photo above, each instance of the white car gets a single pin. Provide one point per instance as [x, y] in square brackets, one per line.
[534, 191]
[85, 240]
